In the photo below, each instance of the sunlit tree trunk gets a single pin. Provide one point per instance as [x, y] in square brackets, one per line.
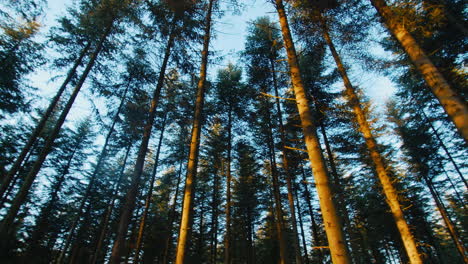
[453, 105]
[110, 207]
[189, 193]
[389, 190]
[22, 194]
[172, 216]
[297, 248]
[42, 122]
[141, 228]
[130, 197]
[333, 228]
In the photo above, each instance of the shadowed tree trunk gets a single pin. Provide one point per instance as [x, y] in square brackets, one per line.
[227, 243]
[332, 222]
[40, 126]
[106, 218]
[141, 229]
[450, 226]
[93, 177]
[22, 194]
[130, 197]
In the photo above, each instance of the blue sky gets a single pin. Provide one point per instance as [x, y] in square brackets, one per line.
[230, 32]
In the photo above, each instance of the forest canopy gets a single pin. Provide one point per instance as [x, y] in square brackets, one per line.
[131, 133]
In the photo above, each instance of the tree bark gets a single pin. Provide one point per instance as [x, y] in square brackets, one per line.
[141, 228]
[187, 208]
[22, 194]
[130, 197]
[284, 151]
[333, 228]
[46, 212]
[42, 122]
[314, 226]
[453, 105]
[227, 243]
[450, 226]
[280, 225]
[301, 225]
[93, 177]
[109, 209]
[172, 216]
[389, 190]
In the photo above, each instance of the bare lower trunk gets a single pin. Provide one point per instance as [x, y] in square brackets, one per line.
[333, 228]
[187, 208]
[453, 105]
[389, 190]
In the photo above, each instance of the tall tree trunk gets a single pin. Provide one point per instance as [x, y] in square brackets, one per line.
[280, 225]
[333, 228]
[450, 226]
[109, 209]
[141, 229]
[214, 216]
[284, 151]
[172, 217]
[130, 197]
[389, 190]
[42, 122]
[93, 177]
[187, 208]
[442, 144]
[227, 241]
[338, 187]
[314, 225]
[301, 225]
[22, 194]
[453, 105]
[10, 188]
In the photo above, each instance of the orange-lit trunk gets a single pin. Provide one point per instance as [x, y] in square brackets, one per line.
[453, 105]
[389, 190]
[292, 209]
[333, 228]
[189, 194]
